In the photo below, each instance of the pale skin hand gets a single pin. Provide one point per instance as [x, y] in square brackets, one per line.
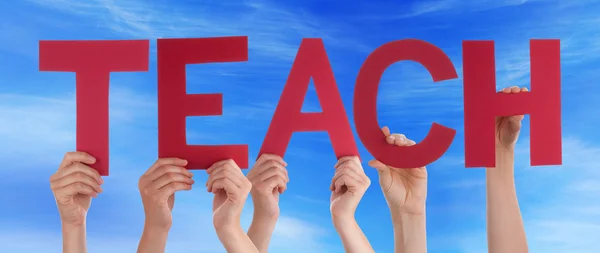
[348, 186]
[405, 191]
[73, 186]
[506, 233]
[157, 187]
[231, 189]
[269, 178]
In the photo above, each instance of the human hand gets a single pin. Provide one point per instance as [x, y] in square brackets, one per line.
[73, 185]
[231, 189]
[158, 186]
[509, 127]
[405, 190]
[269, 179]
[348, 186]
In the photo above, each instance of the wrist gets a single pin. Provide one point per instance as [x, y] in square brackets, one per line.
[340, 221]
[229, 230]
[152, 229]
[404, 218]
[70, 226]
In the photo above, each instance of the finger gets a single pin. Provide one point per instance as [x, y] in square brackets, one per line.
[399, 139]
[222, 163]
[277, 181]
[223, 173]
[225, 184]
[342, 173]
[266, 157]
[165, 161]
[271, 165]
[78, 156]
[411, 143]
[273, 171]
[346, 159]
[173, 187]
[351, 162]
[524, 89]
[74, 189]
[171, 177]
[349, 180]
[379, 166]
[77, 177]
[386, 131]
[165, 169]
[77, 167]
[506, 90]
[515, 89]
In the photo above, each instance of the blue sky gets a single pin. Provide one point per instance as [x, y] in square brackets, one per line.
[560, 204]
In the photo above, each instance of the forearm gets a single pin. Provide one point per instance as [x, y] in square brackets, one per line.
[154, 240]
[235, 240]
[410, 234]
[506, 233]
[74, 238]
[261, 230]
[353, 239]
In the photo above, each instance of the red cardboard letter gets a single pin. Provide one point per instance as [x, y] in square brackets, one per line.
[439, 138]
[92, 61]
[311, 61]
[174, 104]
[483, 103]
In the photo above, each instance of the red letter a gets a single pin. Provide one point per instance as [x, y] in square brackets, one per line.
[174, 104]
[92, 61]
[483, 104]
[311, 61]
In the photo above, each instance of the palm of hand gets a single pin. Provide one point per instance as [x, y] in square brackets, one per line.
[406, 189]
[507, 130]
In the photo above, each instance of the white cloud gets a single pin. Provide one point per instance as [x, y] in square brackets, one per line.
[274, 31]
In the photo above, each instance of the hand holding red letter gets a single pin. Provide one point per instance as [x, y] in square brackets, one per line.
[348, 186]
[74, 185]
[231, 189]
[509, 127]
[269, 178]
[158, 186]
[405, 189]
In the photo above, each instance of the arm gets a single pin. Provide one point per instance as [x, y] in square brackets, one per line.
[153, 240]
[235, 240]
[73, 238]
[353, 239]
[260, 231]
[409, 232]
[506, 233]
[269, 179]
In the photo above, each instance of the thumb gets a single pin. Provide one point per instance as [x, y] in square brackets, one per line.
[379, 166]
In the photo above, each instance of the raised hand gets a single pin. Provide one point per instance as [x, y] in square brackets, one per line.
[509, 127]
[74, 185]
[405, 189]
[269, 179]
[348, 186]
[231, 189]
[157, 187]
